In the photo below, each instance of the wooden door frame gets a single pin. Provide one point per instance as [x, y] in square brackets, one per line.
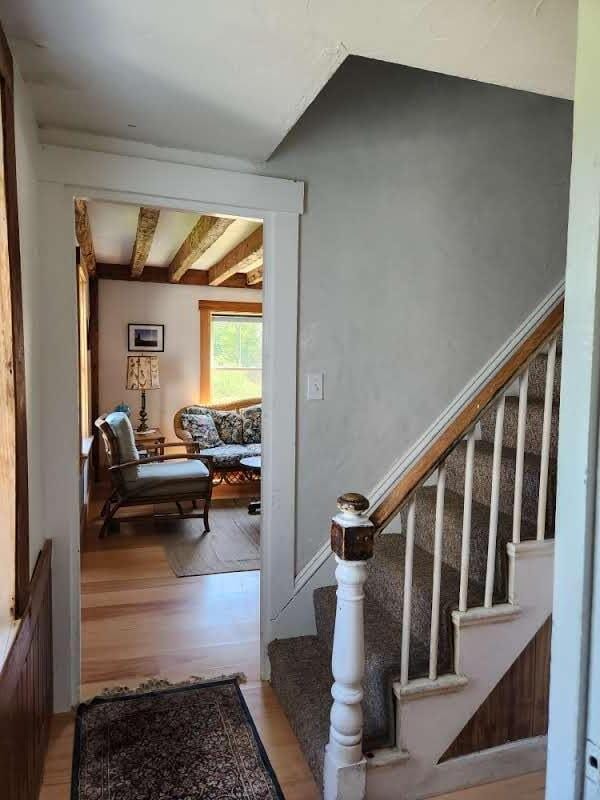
[66, 173]
[22, 572]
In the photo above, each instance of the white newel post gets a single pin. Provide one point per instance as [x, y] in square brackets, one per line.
[344, 775]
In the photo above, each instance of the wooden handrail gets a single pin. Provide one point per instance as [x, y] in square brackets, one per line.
[465, 419]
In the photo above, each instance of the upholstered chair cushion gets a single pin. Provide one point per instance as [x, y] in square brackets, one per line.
[229, 455]
[121, 427]
[202, 428]
[229, 425]
[252, 423]
[165, 478]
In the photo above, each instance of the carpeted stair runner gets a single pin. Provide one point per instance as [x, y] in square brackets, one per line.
[301, 667]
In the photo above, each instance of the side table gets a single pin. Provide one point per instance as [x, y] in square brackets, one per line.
[150, 440]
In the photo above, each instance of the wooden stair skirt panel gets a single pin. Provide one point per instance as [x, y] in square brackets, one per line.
[517, 708]
[26, 691]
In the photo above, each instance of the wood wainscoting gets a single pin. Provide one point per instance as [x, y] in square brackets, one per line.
[26, 691]
[517, 707]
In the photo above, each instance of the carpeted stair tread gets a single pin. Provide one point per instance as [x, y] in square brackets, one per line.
[301, 677]
[536, 385]
[301, 667]
[382, 661]
[533, 428]
[452, 540]
[482, 478]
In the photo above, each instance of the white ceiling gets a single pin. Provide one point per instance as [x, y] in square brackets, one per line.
[114, 225]
[233, 77]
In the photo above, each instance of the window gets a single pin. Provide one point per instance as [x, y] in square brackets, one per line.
[236, 357]
[230, 351]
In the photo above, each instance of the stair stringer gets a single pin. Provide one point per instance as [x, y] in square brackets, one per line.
[487, 643]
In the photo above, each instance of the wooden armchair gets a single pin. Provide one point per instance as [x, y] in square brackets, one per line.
[153, 480]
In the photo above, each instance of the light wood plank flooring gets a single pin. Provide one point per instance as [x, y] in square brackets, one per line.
[140, 621]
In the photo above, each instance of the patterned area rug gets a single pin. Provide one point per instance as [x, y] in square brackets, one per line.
[233, 544]
[195, 742]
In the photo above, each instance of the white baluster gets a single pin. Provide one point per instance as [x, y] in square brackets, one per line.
[494, 502]
[520, 457]
[546, 431]
[344, 776]
[407, 605]
[465, 550]
[437, 572]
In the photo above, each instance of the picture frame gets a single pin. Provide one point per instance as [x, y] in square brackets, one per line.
[145, 337]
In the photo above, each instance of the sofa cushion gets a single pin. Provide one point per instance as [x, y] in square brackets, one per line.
[252, 424]
[202, 428]
[229, 426]
[165, 478]
[229, 455]
[121, 427]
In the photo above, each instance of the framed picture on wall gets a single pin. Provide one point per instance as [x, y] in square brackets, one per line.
[145, 336]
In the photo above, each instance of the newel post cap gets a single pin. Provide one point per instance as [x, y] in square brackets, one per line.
[351, 531]
[352, 503]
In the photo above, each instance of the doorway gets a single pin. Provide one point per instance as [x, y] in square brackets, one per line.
[154, 555]
[68, 174]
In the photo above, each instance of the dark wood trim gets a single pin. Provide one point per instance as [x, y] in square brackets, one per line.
[230, 307]
[465, 419]
[193, 277]
[26, 691]
[94, 372]
[517, 707]
[14, 255]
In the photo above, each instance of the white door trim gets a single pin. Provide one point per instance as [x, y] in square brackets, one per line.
[66, 172]
[578, 432]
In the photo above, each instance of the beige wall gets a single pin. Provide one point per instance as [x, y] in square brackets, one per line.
[175, 307]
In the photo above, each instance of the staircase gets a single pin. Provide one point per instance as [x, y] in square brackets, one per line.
[472, 566]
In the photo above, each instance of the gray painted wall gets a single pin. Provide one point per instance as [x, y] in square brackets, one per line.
[435, 222]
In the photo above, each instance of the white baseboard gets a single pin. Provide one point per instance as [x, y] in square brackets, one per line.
[495, 764]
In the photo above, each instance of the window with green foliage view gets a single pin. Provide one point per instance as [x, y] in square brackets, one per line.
[236, 357]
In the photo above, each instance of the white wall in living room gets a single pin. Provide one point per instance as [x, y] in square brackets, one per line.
[175, 307]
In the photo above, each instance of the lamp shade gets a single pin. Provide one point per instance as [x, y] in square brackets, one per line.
[142, 372]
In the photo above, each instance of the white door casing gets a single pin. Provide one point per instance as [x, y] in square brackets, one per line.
[67, 172]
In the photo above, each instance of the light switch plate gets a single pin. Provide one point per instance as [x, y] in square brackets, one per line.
[314, 386]
[592, 763]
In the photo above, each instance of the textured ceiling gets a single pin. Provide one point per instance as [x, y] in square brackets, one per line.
[232, 78]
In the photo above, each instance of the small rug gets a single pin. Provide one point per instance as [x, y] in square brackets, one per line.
[195, 742]
[233, 544]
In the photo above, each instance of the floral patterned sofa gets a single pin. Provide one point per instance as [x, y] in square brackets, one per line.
[228, 432]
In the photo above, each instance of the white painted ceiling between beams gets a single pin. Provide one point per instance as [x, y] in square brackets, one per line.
[232, 78]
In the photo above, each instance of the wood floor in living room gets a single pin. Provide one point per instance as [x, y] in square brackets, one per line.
[139, 621]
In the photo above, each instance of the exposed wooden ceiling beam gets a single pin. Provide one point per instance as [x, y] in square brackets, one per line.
[255, 276]
[83, 232]
[245, 257]
[146, 228]
[193, 277]
[204, 234]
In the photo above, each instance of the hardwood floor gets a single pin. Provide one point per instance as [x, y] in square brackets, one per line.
[139, 621]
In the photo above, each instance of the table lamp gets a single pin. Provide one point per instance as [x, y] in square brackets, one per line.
[142, 374]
